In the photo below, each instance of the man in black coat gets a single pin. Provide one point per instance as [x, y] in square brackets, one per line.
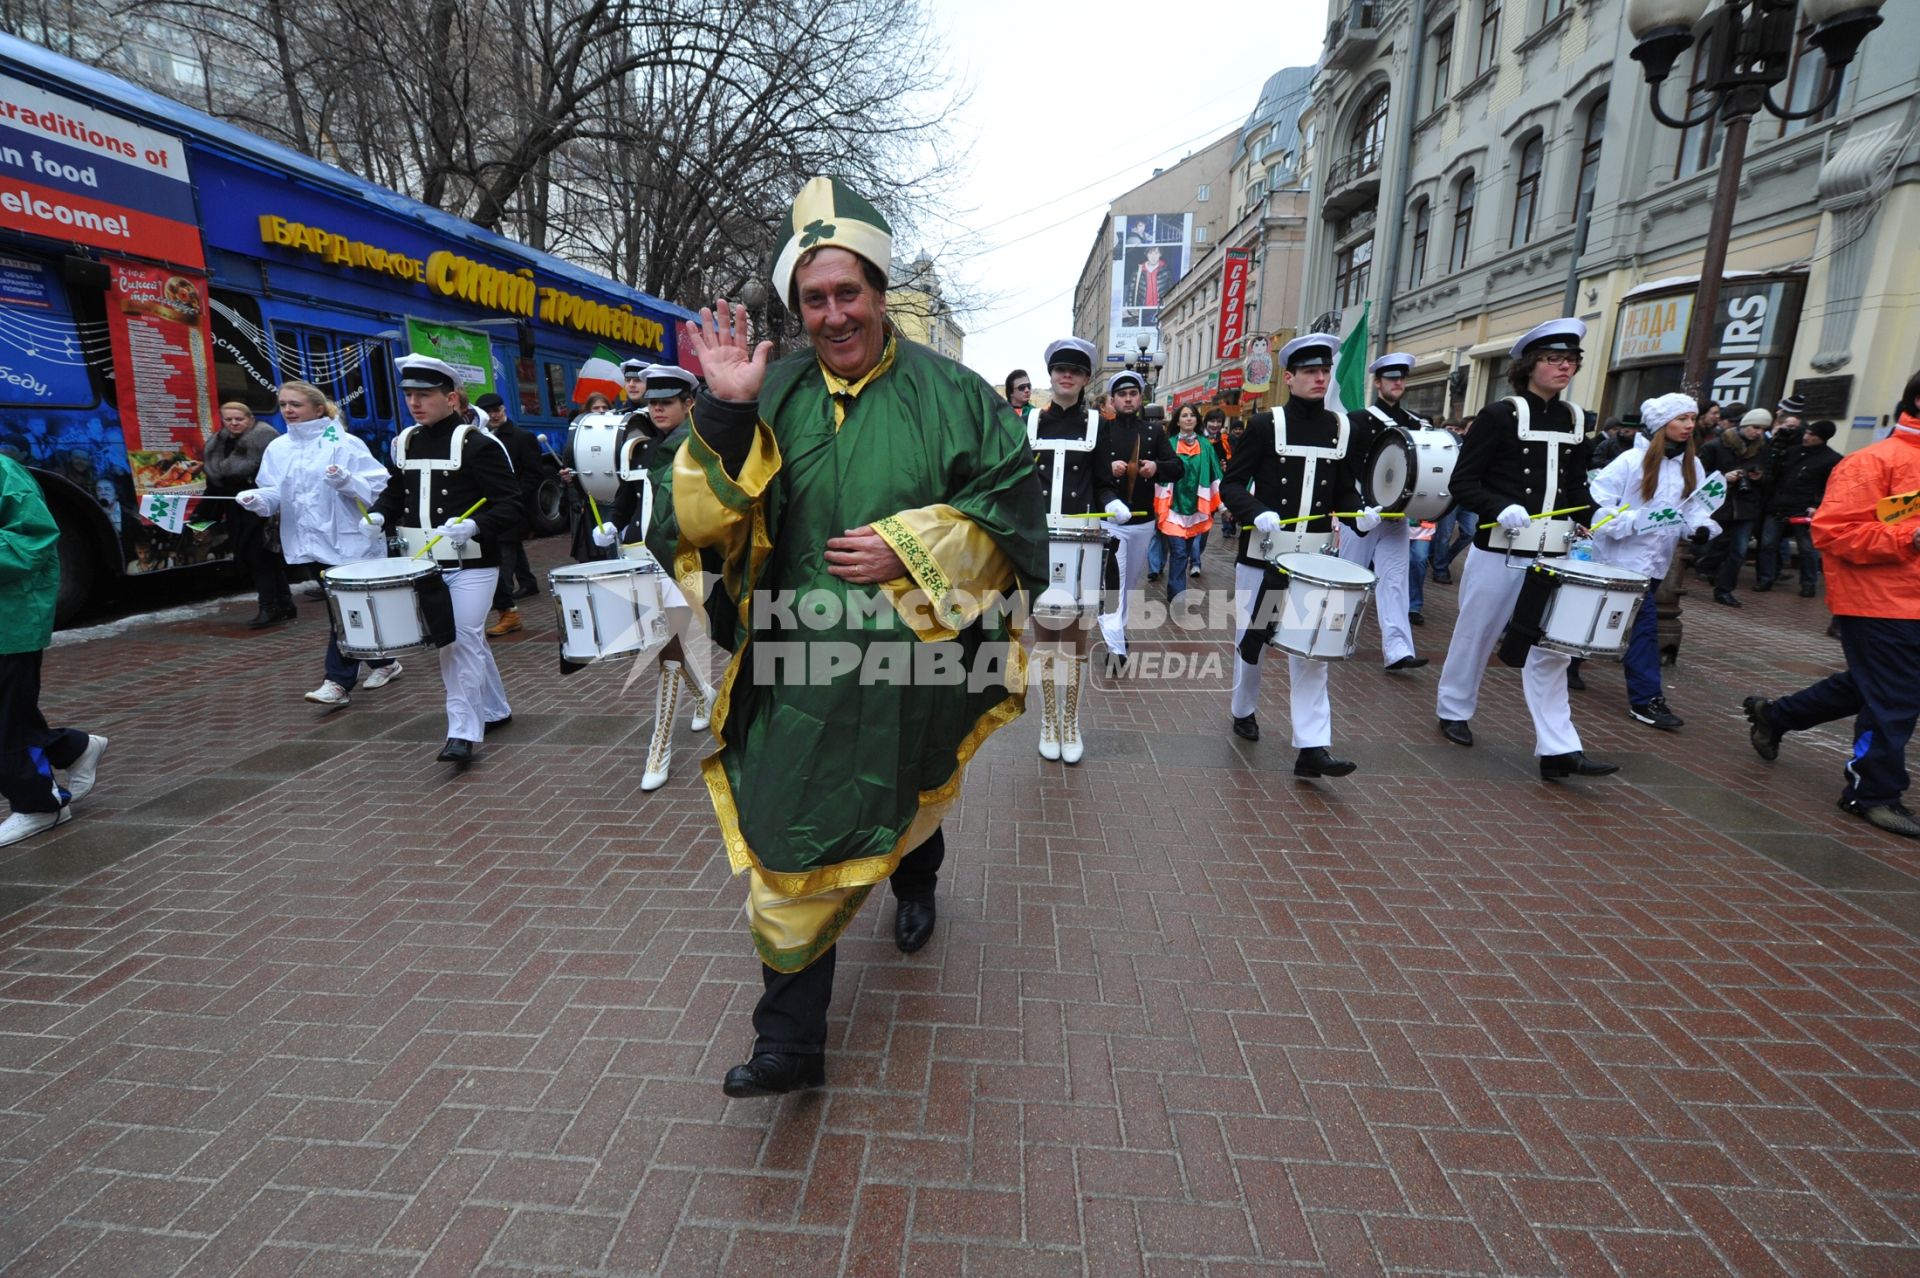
[1799, 484]
[523, 454]
[1136, 456]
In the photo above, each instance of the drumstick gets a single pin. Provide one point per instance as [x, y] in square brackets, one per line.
[432, 542]
[1101, 514]
[1624, 510]
[1545, 514]
[1342, 514]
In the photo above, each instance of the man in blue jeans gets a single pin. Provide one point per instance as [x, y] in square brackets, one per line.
[1453, 532]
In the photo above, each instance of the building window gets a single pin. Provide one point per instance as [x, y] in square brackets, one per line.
[1422, 226]
[1204, 194]
[1807, 83]
[1462, 223]
[1551, 9]
[1199, 235]
[1700, 145]
[1489, 48]
[1370, 133]
[1352, 266]
[1590, 153]
[1442, 66]
[1526, 192]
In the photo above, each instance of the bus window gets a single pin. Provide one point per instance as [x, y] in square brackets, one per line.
[242, 354]
[559, 393]
[381, 361]
[354, 401]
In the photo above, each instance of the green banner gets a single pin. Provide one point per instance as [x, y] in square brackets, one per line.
[470, 353]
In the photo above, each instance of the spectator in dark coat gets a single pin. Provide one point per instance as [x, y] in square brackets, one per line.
[1741, 455]
[523, 451]
[1799, 483]
[232, 460]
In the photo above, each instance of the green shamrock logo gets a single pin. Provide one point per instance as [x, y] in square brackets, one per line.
[1666, 516]
[815, 231]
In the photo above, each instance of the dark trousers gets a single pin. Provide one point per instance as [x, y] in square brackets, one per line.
[1737, 534]
[29, 749]
[791, 1016]
[1880, 688]
[254, 549]
[1767, 571]
[345, 671]
[514, 570]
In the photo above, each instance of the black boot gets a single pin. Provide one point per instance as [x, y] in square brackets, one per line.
[1247, 728]
[912, 924]
[1553, 767]
[775, 1074]
[1764, 736]
[1318, 761]
[1458, 731]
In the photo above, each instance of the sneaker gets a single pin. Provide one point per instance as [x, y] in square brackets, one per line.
[508, 623]
[81, 776]
[24, 825]
[1194, 571]
[1764, 736]
[329, 694]
[381, 676]
[1891, 817]
[1655, 713]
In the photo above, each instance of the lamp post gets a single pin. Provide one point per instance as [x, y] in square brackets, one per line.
[1750, 50]
[1145, 360]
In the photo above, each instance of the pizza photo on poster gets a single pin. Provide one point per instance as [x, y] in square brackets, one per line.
[162, 340]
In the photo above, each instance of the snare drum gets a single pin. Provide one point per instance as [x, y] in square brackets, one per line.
[1540, 537]
[596, 452]
[1325, 603]
[1411, 471]
[1578, 607]
[608, 607]
[1076, 559]
[381, 607]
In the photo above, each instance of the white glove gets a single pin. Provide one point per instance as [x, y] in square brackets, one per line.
[1622, 524]
[605, 535]
[1368, 521]
[336, 477]
[459, 532]
[1117, 511]
[376, 519]
[1268, 522]
[253, 500]
[1513, 518]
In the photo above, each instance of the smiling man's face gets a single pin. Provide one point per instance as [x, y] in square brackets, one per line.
[844, 315]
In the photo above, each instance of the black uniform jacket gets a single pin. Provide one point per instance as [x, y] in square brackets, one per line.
[1087, 486]
[1498, 469]
[1117, 439]
[1259, 479]
[483, 472]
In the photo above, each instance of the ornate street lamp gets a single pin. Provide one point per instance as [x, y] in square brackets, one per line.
[1750, 51]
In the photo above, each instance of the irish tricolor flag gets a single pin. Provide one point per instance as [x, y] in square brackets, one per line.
[600, 373]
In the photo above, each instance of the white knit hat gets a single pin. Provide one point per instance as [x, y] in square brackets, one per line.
[1657, 412]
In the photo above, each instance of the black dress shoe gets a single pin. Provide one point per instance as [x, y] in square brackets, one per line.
[526, 592]
[1727, 597]
[912, 925]
[1408, 663]
[1443, 577]
[1318, 761]
[1247, 728]
[497, 723]
[273, 616]
[1808, 592]
[775, 1074]
[1415, 619]
[1759, 589]
[1765, 737]
[456, 751]
[1555, 766]
[1574, 682]
[1458, 731]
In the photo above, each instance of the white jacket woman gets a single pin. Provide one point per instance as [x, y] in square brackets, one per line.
[312, 477]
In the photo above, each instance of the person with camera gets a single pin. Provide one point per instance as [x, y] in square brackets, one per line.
[1741, 455]
[1799, 483]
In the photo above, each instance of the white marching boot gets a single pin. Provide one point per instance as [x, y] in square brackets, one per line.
[1071, 746]
[666, 698]
[1049, 707]
[703, 699]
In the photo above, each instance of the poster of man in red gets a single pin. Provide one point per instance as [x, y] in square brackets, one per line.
[163, 369]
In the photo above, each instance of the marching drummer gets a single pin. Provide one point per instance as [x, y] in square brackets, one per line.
[456, 491]
[635, 404]
[1066, 438]
[1387, 548]
[1136, 456]
[645, 498]
[1524, 459]
[1297, 466]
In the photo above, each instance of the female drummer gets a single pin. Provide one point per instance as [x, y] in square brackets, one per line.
[1066, 437]
[645, 486]
[320, 478]
[1640, 513]
[582, 542]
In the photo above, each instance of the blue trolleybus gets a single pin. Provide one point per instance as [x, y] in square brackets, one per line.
[156, 263]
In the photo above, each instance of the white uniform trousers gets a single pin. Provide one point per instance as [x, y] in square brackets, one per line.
[1307, 702]
[1135, 538]
[1385, 551]
[1488, 591]
[475, 695]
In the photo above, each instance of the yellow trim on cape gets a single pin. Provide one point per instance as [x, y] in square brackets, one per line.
[954, 570]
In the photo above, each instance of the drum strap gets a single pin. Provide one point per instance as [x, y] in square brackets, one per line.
[1555, 439]
[1060, 448]
[424, 468]
[1311, 456]
[1524, 627]
[632, 474]
[1259, 633]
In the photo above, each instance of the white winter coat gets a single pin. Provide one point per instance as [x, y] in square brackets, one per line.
[318, 522]
[1623, 542]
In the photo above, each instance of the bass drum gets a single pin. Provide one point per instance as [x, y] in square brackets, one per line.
[596, 452]
[1411, 472]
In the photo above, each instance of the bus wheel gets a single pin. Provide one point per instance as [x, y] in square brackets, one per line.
[76, 577]
[549, 507]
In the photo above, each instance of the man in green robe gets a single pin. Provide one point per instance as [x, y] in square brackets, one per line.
[871, 508]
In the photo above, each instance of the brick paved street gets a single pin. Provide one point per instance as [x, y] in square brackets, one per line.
[289, 997]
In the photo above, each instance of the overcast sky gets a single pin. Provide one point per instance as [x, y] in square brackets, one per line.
[1045, 150]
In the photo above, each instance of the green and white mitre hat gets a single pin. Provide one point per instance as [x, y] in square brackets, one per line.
[830, 214]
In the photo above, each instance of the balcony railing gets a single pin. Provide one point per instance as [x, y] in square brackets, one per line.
[1353, 35]
[1352, 168]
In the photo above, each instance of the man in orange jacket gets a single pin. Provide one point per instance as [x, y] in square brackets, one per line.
[1873, 588]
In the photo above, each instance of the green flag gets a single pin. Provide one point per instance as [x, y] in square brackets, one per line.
[1349, 389]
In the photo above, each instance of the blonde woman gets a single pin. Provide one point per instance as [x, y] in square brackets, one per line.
[318, 477]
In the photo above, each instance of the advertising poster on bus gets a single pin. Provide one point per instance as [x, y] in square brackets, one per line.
[1150, 252]
[470, 353]
[163, 366]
